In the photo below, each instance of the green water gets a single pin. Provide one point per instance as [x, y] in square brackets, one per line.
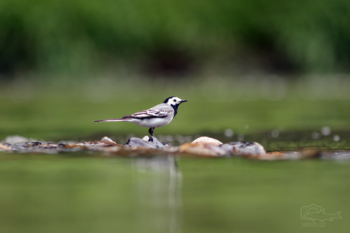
[84, 193]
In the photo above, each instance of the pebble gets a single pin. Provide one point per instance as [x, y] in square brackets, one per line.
[207, 140]
[203, 149]
[138, 142]
[4, 147]
[107, 140]
[247, 149]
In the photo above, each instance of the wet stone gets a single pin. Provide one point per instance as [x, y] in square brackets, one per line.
[16, 139]
[157, 143]
[202, 149]
[207, 140]
[62, 144]
[137, 142]
[36, 143]
[165, 144]
[5, 147]
[246, 149]
[146, 142]
[108, 141]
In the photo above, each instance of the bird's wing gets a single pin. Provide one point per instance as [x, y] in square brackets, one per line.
[151, 113]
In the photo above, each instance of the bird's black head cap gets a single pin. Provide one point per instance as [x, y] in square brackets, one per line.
[174, 102]
[167, 99]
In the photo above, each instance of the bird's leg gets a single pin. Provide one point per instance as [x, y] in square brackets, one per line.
[150, 131]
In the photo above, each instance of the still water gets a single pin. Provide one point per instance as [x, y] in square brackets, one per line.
[87, 193]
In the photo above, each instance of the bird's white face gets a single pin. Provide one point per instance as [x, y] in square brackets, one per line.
[174, 101]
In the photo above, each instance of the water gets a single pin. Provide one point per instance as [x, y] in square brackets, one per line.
[85, 193]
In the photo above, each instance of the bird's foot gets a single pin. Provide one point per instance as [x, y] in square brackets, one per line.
[150, 139]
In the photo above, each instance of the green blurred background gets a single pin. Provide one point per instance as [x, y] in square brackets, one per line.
[249, 66]
[174, 36]
[275, 72]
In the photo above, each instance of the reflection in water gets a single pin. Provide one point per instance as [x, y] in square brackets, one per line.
[159, 192]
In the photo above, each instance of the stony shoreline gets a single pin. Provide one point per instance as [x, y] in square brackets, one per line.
[200, 147]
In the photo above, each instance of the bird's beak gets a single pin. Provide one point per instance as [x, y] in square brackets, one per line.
[182, 101]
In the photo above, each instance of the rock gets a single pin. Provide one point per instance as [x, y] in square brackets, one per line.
[273, 156]
[310, 153]
[36, 143]
[24, 145]
[4, 147]
[165, 144]
[62, 144]
[228, 148]
[47, 145]
[138, 142]
[108, 141]
[157, 143]
[276, 154]
[288, 155]
[207, 140]
[202, 149]
[34, 147]
[247, 149]
[16, 139]
[89, 144]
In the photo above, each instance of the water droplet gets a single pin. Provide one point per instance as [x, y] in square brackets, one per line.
[240, 137]
[228, 133]
[315, 135]
[326, 130]
[275, 133]
[336, 138]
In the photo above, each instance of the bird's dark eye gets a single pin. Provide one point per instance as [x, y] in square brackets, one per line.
[174, 100]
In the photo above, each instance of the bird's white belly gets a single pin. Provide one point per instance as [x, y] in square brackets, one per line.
[154, 122]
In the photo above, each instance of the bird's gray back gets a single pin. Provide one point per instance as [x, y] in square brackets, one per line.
[157, 116]
[164, 107]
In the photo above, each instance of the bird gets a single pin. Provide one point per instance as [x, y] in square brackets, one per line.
[157, 116]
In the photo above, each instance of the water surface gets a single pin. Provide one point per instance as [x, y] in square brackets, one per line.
[85, 193]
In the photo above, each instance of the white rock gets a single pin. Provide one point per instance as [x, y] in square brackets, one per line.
[4, 147]
[107, 139]
[252, 149]
[203, 149]
[16, 139]
[207, 140]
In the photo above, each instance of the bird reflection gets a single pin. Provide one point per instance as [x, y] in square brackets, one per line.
[159, 192]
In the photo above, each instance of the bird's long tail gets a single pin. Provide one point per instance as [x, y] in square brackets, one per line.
[110, 120]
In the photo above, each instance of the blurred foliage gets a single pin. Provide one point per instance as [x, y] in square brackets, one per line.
[76, 35]
[67, 112]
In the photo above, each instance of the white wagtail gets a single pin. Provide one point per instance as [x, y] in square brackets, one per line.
[158, 116]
